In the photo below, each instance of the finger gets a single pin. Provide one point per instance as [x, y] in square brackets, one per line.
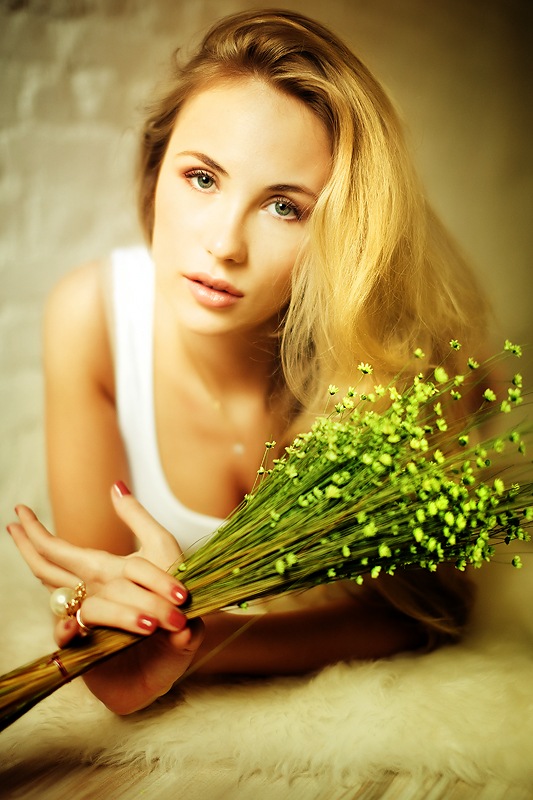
[189, 640]
[146, 602]
[151, 577]
[65, 631]
[160, 546]
[129, 607]
[50, 574]
[86, 563]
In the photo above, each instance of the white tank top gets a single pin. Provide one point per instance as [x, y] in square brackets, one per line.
[132, 299]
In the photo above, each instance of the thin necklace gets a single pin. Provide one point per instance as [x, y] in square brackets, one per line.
[237, 446]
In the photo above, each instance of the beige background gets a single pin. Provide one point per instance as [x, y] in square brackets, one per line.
[74, 75]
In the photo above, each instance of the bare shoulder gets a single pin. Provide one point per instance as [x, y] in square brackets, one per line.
[77, 296]
[75, 326]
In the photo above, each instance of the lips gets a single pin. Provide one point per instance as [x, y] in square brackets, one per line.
[212, 293]
[217, 284]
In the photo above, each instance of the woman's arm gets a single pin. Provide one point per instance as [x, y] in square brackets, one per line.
[287, 643]
[126, 592]
[295, 642]
[84, 449]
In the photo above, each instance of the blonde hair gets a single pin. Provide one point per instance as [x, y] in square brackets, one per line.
[379, 275]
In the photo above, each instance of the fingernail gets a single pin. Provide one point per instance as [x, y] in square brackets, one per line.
[147, 623]
[179, 594]
[8, 529]
[177, 619]
[121, 489]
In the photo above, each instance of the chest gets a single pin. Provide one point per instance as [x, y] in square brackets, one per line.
[210, 455]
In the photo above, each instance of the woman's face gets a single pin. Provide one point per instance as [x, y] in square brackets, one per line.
[241, 173]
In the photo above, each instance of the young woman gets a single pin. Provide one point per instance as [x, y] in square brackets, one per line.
[287, 240]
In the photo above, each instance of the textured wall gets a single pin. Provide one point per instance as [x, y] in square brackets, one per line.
[74, 75]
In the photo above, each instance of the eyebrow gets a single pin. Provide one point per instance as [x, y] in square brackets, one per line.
[276, 187]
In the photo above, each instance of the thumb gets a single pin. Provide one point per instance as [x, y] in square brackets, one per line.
[157, 544]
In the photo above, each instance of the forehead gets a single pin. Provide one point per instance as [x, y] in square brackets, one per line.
[238, 120]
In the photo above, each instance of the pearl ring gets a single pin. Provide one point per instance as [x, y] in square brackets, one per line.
[85, 630]
[66, 602]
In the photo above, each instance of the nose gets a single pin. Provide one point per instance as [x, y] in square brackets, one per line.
[224, 233]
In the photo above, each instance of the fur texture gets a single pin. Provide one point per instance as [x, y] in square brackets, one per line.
[464, 711]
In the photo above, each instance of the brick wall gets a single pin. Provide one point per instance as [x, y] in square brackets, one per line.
[74, 75]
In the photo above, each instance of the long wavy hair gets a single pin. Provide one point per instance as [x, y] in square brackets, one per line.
[379, 275]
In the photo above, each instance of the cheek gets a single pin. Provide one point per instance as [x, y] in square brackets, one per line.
[278, 254]
[160, 216]
[172, 201]
[275, 287]
[164, 204]
[281, 277]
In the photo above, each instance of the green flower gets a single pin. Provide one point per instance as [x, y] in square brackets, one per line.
[455, 345]
[438, 457]
[489, 395]
[515, 395]
[515, 349]
[440, 374]
[499, 486]
[365, 368]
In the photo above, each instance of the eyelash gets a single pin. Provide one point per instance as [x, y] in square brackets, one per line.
[298, 214]
[201, 173]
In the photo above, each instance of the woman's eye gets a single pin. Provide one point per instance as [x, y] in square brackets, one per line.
[200, 180]
[284, 210]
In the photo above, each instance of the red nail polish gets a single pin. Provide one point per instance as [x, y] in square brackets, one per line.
[177, 619]
[179, 595]
[121, 489]
[147, 623]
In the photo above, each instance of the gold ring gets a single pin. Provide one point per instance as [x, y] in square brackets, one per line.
[65, 602]
[85, 630]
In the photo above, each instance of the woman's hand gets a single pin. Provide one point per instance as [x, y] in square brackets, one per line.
[134, 593]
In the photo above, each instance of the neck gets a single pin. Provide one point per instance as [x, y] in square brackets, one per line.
[231, 364]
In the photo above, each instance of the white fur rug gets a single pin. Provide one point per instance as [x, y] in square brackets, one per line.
[464, 711]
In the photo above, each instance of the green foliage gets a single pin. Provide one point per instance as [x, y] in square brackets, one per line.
[371, 488]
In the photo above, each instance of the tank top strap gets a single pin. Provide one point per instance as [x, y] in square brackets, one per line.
[132, 313]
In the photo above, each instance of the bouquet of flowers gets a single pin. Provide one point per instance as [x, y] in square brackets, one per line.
[389, 479]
